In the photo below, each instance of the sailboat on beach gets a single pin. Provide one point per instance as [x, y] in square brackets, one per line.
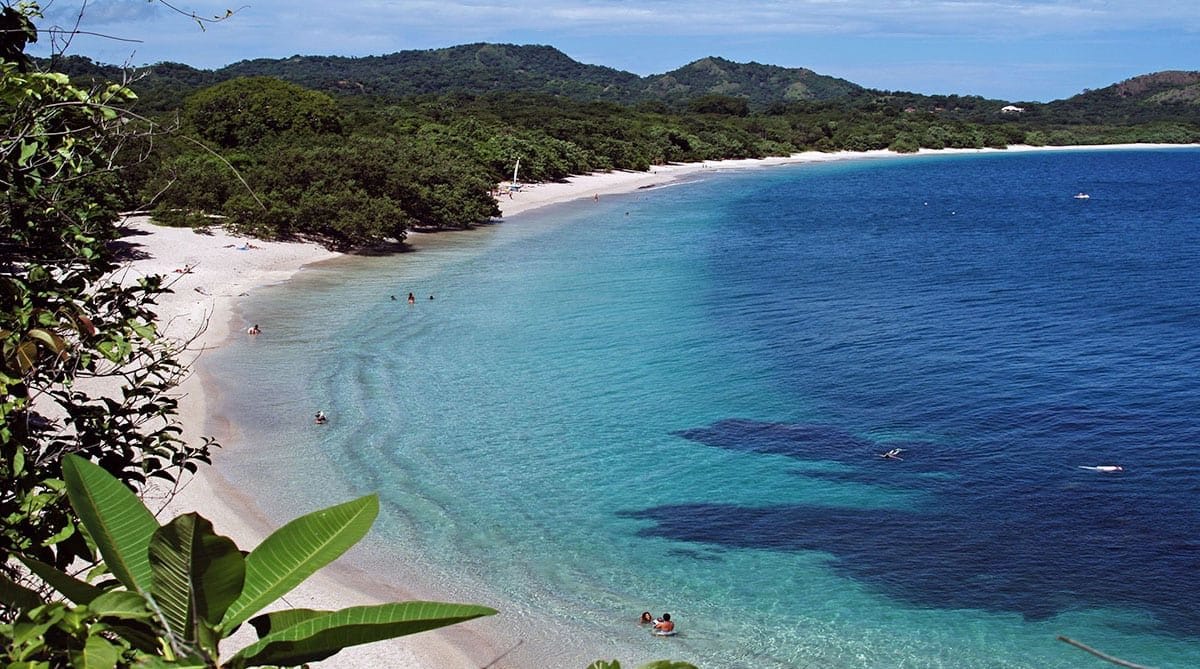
[515, 185]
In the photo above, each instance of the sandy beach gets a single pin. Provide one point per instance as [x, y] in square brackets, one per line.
[210, 273]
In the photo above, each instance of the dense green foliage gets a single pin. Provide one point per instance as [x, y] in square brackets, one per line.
[181, 589]
[420, 138]
[87, 419]
[356, 151]
[480, 69]
[248, 112]
[357, 170]
[83, 369]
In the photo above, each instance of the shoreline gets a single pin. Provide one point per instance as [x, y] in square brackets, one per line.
[205, 306]
[535, 196]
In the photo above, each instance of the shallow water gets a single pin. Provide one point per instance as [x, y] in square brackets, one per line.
[674, 400]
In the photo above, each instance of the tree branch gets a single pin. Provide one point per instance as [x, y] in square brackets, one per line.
[1103, 656]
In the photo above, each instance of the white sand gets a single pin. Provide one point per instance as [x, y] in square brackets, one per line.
[203, 306]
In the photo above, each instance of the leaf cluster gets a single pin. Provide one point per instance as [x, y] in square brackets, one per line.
[180, 589]
[65, 321]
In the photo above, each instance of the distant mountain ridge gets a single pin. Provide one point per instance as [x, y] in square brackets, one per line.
[470, 68]
[483, 68]
[487, 68]
[1145, 98]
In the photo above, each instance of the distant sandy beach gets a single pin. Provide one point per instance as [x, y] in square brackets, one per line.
[211, 273]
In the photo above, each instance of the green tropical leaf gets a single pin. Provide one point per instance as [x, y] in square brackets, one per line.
[320, 637]
[51, 340]
[27, 151]
[121, 604]
[141, 635]
[115, 518]
[196, 574]
[26, 356]
[97, 653]
[278, 620]
[17, 596]
[293, 552]
[70, 587]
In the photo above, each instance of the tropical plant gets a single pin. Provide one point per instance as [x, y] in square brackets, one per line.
[83, 367]
[181, 589]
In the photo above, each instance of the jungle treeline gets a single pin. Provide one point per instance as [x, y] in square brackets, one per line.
[279, 160]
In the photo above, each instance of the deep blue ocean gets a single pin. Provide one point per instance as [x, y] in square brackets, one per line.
[675, 400]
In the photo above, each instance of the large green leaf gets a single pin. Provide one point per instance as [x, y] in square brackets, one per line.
[282, 619]
[97, 653]
[121, 604]
[293, 552]
[72, 588]
[116, 519]
[197, 574]
[17, 596]
[319, 637]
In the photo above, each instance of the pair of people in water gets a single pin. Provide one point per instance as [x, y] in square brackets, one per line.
[662, 625]
[412, 299]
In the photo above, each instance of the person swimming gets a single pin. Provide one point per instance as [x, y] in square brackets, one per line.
[412, 299]
[320, 418]
[893, 454]
[646, 618]
[664, 626]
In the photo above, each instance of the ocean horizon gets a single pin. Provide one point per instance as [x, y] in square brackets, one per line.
[676, 399]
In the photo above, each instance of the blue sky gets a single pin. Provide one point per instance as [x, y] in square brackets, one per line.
[1008, 49]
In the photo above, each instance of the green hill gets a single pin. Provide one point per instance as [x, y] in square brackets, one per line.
[761, 85]
[471, 68]
[484, 69]
[1162, 96]
[480, 69]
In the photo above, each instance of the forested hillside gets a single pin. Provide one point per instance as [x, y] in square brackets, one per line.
[1152, 97]
[353, 151]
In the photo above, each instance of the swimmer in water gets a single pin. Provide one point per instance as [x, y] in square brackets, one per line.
[893, 454]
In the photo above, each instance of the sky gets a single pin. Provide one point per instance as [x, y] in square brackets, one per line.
[1017, 50]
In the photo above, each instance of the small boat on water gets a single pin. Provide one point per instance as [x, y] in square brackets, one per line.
[1082, 196]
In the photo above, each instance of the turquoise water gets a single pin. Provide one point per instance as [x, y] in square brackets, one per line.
[673, 400]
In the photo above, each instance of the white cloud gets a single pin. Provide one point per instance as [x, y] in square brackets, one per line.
[979, 18]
